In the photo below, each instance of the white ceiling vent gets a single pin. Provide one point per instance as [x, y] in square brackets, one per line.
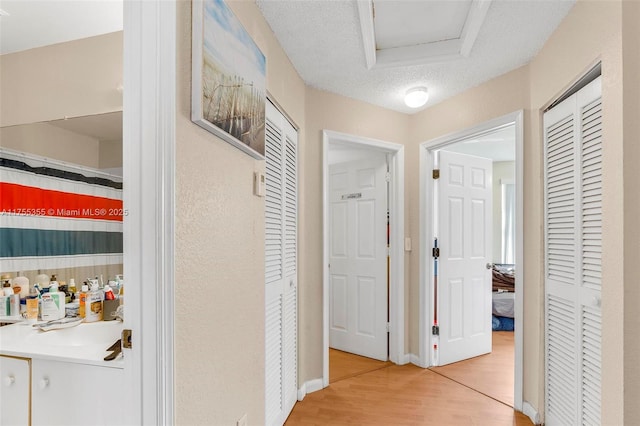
[399, 33]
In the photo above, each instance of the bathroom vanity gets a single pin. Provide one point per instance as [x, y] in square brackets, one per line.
[59, 377]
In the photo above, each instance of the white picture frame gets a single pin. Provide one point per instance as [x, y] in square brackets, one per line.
[228, 82]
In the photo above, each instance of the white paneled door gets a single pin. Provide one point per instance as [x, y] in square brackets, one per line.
[573, 252]
[464, 210]
[281, 302]
[358, 311]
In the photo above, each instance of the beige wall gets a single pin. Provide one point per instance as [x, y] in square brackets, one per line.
[70, 79]
[219, 306]
[52, 142]
[630, 162]
[110, 154]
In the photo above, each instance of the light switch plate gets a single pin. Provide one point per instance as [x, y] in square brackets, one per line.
[407, 244]
[258, 184]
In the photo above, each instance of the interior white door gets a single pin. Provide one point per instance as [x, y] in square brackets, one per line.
[358, 311]
[464, 283]
[281, 300]
[573, 258]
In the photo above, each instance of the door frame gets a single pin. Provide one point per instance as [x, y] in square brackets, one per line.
[396, 243]
[149, 121]
[427, 236]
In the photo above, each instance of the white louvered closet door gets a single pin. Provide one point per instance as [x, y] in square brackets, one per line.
[281, 205]
[573, 249]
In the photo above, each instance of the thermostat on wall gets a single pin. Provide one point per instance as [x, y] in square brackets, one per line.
[258, 184]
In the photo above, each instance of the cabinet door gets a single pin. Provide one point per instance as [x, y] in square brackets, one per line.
[14, 391]
[75, 394]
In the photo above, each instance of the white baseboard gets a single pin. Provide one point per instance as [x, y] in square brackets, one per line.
[532, 413]
[415, 360]
[404, 359]
[309, 386]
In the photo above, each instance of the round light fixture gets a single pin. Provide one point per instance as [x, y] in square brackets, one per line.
[416, 97]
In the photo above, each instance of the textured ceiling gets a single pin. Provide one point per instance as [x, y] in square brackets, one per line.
[323, 41]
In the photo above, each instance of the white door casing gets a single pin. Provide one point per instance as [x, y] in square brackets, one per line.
[281, 198]
[464, 283]
[358, 312]
[573, 251]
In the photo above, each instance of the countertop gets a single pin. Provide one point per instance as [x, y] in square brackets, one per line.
[85, 343]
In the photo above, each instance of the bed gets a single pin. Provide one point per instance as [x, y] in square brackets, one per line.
[503, 303]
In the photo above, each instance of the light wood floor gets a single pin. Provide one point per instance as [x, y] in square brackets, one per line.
[343, 365]
[399, 395]
[490, 374]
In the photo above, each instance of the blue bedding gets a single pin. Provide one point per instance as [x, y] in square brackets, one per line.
[501, 323]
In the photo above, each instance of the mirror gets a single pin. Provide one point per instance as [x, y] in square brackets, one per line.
[61, 145]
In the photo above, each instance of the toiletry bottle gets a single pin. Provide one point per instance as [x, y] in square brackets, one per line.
[82, 300]
[93, 305]
[72, 289]
[6, 288]
[108, 293]
[52, 303]
[23, 283]
[32, 306]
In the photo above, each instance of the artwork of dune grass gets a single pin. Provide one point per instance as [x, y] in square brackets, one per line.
[233, 77]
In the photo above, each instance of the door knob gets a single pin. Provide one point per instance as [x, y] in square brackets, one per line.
[9, 380]
[44, 383]
[489, 265]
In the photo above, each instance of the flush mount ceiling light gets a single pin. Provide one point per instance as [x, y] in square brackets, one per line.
[416, 97]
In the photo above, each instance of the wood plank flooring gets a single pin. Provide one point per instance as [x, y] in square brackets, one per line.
[343, 365]
[490, 374]
[400, 395]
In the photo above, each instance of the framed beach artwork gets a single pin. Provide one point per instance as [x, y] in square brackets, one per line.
[228, 84]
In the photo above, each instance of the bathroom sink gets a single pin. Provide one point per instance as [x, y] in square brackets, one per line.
[84, 334]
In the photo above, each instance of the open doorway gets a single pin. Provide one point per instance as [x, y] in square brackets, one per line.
[363, 186]
[457, 323]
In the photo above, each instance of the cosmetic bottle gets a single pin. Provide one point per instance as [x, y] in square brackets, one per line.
[82, 300]
[93, 304]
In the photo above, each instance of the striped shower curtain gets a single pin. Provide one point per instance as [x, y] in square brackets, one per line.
[55, 216]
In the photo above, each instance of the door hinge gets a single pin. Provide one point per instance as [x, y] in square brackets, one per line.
[435, 330]
[436, 173]
[126, 338]
[388, 327]
[387, 177]
[435, 252]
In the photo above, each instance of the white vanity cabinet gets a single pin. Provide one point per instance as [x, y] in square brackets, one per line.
[65, 393]
[15, 374]
[61, 393]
